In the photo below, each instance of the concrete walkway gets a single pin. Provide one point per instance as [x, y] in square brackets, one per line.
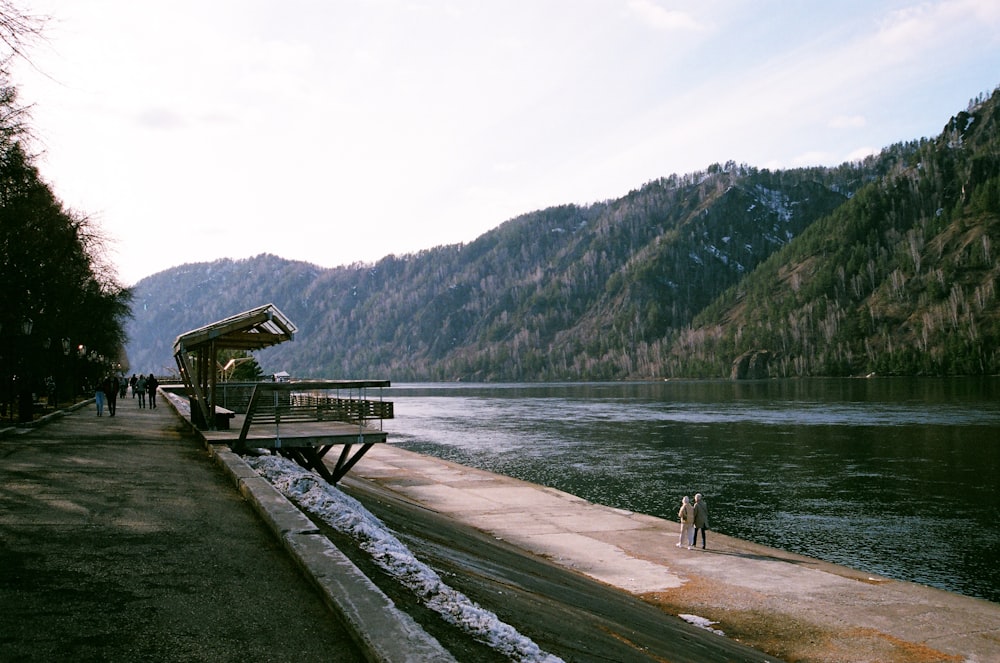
[789, 606]
[121, 540]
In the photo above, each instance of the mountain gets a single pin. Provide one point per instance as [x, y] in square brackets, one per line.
[880, 266]
[900, 280]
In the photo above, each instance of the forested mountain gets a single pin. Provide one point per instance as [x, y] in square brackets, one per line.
[900, 280]
[884, 266]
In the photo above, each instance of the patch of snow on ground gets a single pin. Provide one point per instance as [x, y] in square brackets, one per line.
[348, 516]
[714, 250]
[776, 201]
[701, 622]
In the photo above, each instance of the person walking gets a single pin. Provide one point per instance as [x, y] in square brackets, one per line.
[112, 394]
[140, 388]
[686, 516]
[132, 382]
[99, 395]
[151, 384]
[700, 520]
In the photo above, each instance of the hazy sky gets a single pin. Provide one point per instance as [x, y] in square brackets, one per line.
[337, 131]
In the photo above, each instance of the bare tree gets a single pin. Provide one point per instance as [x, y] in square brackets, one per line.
[19, 29]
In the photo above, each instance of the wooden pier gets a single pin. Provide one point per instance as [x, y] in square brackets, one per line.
[300, 419]
[304, 420]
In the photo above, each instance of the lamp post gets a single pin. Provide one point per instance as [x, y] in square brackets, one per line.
[25, 399]
[81, 355]
[64, 373]
[50, 382]
[6, 407]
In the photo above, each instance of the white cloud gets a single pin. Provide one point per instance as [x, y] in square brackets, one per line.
[813, 158]
[935, 33]
[661, 18]
[861, 153]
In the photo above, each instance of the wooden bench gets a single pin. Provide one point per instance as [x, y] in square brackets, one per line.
[223, 417]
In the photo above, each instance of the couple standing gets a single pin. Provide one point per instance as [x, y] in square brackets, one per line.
[693, 517]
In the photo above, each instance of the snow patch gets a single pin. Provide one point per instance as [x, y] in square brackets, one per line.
[719, 255]
[701, 622]
[348, 516]
[776, 201]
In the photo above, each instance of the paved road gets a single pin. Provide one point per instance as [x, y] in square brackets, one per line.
[120, 540]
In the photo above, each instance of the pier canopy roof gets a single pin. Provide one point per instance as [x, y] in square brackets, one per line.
[255, 329]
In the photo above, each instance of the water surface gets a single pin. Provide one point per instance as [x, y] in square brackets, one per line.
[894, 477]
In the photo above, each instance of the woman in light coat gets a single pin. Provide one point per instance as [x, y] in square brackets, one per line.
[686, 516]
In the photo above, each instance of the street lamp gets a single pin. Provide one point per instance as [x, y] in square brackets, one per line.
[25, 399]
[50, 383]
[65, 374]
[6, 409]
[81, 354]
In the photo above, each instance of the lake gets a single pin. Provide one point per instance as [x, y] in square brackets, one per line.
[896, 477]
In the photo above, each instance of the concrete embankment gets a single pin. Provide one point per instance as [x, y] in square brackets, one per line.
[791, 606]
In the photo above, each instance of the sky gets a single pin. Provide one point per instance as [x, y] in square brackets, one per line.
[342, 131]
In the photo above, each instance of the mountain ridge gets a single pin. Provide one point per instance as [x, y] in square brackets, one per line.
[685, 276]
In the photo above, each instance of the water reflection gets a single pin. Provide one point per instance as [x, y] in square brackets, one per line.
[895, 477]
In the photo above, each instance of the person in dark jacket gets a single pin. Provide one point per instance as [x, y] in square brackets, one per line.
[151, 385]
[700, 519]
[111, 393]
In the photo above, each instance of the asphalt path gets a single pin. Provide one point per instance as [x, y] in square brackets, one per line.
[564, 612]
[121, 540]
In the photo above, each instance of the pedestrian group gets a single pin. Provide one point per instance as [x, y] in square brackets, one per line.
[112, 387]
[694, 518]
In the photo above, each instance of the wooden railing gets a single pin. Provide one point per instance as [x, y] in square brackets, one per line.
[305, 401]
